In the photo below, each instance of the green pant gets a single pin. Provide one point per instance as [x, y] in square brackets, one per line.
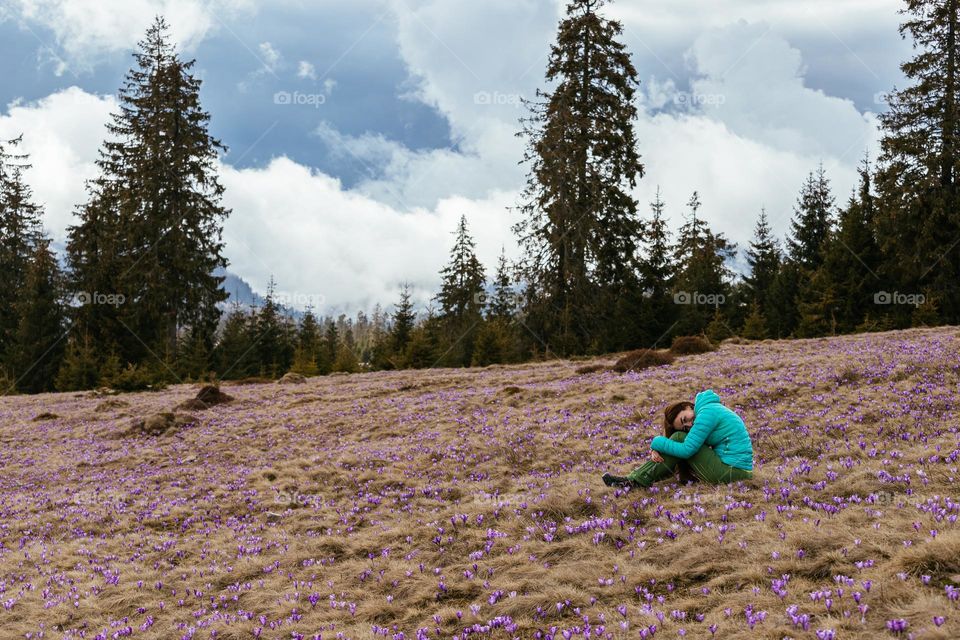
[705, 464]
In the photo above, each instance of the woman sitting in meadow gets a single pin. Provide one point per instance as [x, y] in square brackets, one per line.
[702, 438]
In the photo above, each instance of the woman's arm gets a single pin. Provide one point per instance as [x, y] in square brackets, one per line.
[703, 424]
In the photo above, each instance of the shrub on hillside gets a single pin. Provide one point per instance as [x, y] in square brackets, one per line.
[641, 359]
[686, 345]
[137, 378]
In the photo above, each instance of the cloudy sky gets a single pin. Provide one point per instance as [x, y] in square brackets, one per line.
[359, 132]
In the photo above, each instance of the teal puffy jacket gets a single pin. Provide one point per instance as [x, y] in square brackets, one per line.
[716, 426]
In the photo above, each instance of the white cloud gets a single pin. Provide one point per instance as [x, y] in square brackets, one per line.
[61, 133]
[320, 241]
[752, 81]
[306, 70]
[85, 30]
[269, 57]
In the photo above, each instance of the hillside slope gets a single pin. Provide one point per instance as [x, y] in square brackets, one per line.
[440, 503]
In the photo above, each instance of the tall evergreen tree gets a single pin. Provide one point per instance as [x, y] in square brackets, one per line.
[703, 279]
[579, 228]
[812, 236]
[154, 218]
[461, 298]
[919, 166]
[274, 337]
[463, 279]
[794, 286]
[813, 220]
[308, 344]
[380, 340]
[764, 259]
[503, 303]
[329, 347]
[852, 259]
[782, 313]
[657, 274]
[403, 325]
[81, 367]
[21, 233]
[39, 346]
[346, 355]
[235, 354]
[691, 236]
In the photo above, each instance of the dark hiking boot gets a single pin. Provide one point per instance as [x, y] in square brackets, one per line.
[615, 481]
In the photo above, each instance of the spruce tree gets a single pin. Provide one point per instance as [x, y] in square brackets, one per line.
[755, 326]
[154, 218]
[917, 181]
[328, 348]
[812, 235]
[818, 300]
[424, 348]
[461, 292]
[380, 340]
[691, 236]
[403, 324]
[657, 276]
[852, 260]
[461, 298]
[81, 366]
[39, 345]
[793, 287]
[579, 229]
[764, 259]
[346, 359]
[274, 344]
[703, 279]
[782, 313]
[308, 344]
[812, 222]
[21, 233]
[235, 354]
[503, 303]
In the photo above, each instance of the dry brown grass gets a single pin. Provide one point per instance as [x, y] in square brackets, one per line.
[340, 486]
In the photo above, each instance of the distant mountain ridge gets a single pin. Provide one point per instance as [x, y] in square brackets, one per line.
[240, 291]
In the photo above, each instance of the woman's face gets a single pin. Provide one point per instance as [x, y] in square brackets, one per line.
[684, 420]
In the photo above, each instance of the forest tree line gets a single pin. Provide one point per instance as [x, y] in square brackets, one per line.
[138, 305]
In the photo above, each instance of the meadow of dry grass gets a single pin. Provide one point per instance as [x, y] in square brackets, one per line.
[468, 503]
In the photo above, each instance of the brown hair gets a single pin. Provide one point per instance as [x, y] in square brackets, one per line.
[669, 415]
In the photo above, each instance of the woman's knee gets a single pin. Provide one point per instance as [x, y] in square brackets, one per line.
[678, 436]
